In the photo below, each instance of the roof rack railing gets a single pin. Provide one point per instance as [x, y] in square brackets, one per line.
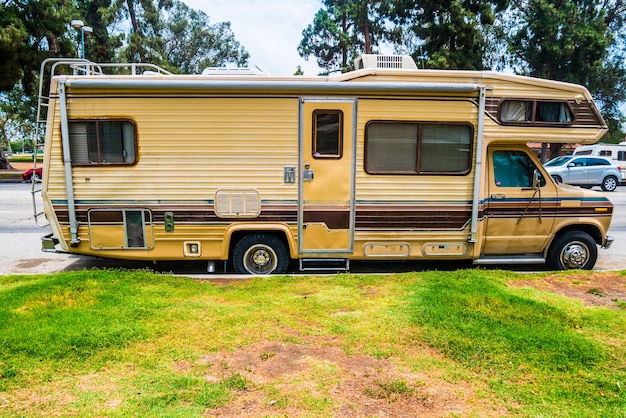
[135, 68]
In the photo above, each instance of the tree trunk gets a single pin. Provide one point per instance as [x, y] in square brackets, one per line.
[4, 163]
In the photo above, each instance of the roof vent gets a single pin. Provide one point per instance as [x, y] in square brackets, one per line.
[384, 62]
[258, 70]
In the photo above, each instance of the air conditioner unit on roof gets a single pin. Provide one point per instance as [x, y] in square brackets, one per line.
[376, 61]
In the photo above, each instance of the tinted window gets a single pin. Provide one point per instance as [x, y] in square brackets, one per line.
[597, 161]
[558, 161]
[327, 134]
[513, 169]
[417, 148]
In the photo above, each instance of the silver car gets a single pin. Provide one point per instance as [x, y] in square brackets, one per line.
[585, 171]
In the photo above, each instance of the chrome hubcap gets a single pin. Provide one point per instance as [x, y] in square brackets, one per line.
[574, 255]
[260, 259]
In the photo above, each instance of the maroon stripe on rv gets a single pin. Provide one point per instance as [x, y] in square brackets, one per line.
[332, 219]
[371, 218]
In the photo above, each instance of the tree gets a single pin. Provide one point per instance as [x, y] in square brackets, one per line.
[343, 29]
[32, 31]
[449, 34]
[191, 43]
[37, 29]
[578, 41]
[17, 119]
[144, 42]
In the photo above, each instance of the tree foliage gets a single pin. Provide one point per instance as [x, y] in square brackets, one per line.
[451, 34]
[192, 43]
[162, 32]
[343, 29]
[579, 41]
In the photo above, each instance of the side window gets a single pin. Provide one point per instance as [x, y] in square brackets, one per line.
[605, 153]
[417, 148]
[597, 161]
[103, 142]
[327, 133]
[513, 169]
[535, 112]
[621, 155]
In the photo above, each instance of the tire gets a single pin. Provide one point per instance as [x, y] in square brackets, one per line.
[557, 179]
[572, 250]
[609, 184]
[260, 254]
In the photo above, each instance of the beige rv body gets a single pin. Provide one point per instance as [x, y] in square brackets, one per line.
[261, 170]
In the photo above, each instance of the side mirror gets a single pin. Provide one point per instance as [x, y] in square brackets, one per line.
[570, 165]
[536, 180]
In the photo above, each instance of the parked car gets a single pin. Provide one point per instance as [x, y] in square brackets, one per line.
[585, 171]
[28, 174]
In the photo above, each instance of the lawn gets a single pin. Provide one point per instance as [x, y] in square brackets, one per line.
[463, 343]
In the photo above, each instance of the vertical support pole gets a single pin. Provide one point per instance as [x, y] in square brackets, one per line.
[82, 42]
[478, 168]
[67, 163]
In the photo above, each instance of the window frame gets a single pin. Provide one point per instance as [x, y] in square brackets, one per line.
[418, 171]
[533, 116]
[98, 123]
[314, 130]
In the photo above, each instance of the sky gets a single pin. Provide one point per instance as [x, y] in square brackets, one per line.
[270, 30]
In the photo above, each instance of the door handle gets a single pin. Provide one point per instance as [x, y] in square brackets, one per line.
[498, 196]
[307, 173]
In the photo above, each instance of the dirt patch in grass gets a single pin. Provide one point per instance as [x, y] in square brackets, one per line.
[284, 379]
[592, 288]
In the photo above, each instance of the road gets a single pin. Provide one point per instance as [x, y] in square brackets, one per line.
[20, 244]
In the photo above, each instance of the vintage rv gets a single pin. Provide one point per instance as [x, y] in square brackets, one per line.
[387, 162]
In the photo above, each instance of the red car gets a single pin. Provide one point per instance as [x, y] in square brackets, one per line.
[33, 174]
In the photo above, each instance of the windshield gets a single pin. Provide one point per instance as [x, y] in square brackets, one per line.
[557, 161]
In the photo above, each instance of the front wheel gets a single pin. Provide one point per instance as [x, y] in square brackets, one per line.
[609, 184]
[557, 179]
[572, 250]
[260, 254]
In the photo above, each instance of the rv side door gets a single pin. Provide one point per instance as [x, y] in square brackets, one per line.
[519, 212]
[326, 189]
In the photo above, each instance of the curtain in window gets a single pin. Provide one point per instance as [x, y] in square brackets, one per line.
[391, 147]
[445, 148]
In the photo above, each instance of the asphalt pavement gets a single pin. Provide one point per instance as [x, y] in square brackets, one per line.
[20, 245]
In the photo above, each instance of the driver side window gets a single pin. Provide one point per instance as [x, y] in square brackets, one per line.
[513, 169]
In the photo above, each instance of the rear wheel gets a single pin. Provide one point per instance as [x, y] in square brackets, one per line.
[609, 184]
[260, 254]
[572, 250]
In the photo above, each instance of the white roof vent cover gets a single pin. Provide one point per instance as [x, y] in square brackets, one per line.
[376, 61]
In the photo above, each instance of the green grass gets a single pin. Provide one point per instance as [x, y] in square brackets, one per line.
[134, 343]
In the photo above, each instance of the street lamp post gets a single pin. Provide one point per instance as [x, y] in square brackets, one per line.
[78, 24]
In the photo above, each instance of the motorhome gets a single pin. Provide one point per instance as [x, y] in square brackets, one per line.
[260, 172]
[616, 152]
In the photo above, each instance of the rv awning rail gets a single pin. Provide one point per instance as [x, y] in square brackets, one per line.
[298, 87]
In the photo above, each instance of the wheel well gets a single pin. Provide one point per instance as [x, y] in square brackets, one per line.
[589, 229]
[238, 235]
